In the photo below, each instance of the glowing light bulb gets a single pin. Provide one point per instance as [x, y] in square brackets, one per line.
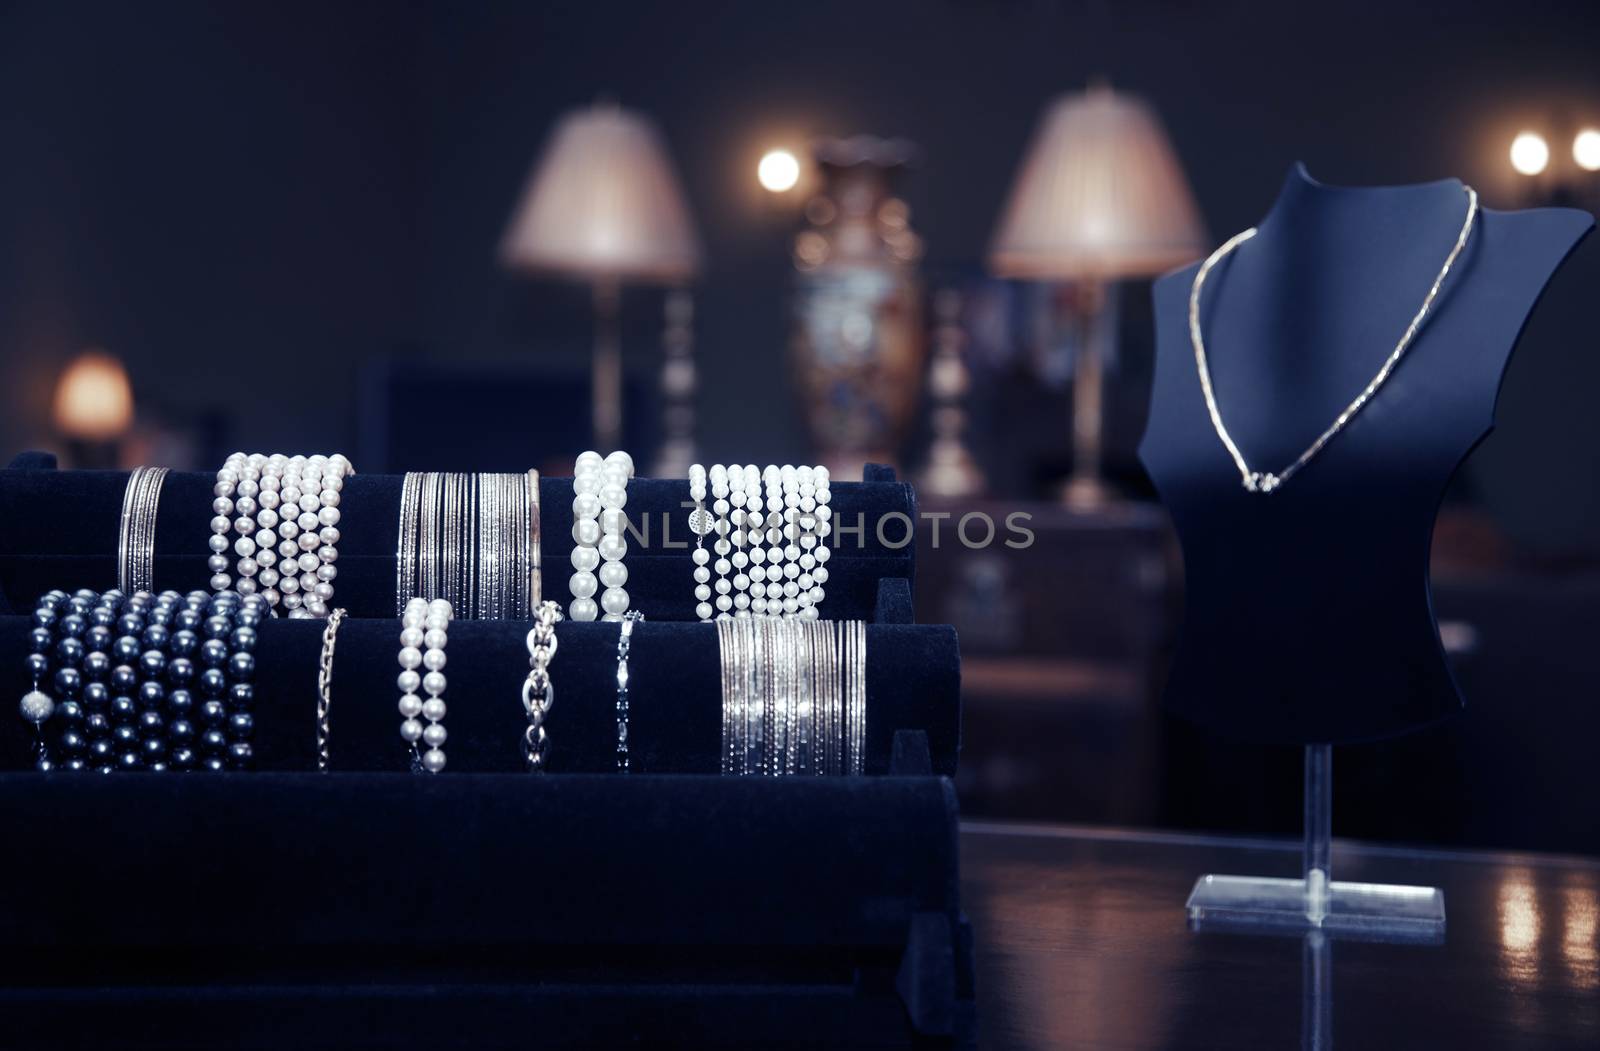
[1529, 153]
[1586, 149]
[778, 171]
[93, 400]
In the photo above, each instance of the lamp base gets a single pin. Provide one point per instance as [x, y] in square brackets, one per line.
[1085, 492]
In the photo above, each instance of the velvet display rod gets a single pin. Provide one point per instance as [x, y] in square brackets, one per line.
[59, 529]
[675, 697]
[367, 892]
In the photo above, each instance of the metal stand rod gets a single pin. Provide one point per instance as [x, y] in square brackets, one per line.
[1318, 829]
[606, 408]
[1316, 992]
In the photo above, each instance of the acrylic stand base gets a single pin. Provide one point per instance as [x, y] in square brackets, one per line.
[1382, 911]
[1358, 911]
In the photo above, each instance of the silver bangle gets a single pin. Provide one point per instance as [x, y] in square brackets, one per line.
[793, 696]
[535, 590]
[325, 688]
[136, 542]
[424, 632]
[472, 540]
[624, 645]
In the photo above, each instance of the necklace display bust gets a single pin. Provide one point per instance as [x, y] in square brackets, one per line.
[1308, 617]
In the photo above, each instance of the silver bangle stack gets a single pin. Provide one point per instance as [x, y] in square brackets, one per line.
[538, 692]
[794, 696]
[287, 528]
[624, 646]
[424, 632]
[472, 540]
[774, 544]
[599, 528]
[136, 542]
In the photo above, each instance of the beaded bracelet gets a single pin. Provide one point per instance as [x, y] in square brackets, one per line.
[701, 522]
[586, 485]
[123, 668]
[600, 493]
[287, 526]
[722, 546]
[424, 632]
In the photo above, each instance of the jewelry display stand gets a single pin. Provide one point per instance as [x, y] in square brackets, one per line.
[579, 907]
[1308, 618]
[1316, 901]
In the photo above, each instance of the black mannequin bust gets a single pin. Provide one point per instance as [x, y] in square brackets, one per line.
[1308, 613]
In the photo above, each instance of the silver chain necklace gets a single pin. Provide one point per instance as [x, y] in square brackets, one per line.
[1266, 481]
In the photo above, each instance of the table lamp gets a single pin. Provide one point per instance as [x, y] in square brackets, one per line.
[93, 408]
[1100, 198]
[603, 205]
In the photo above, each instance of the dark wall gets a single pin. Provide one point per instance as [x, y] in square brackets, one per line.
[206, 191]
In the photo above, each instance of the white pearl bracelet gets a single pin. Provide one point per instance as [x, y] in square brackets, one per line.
[774, 545]
[700, 523]
[599, 527]
[287, 526]
[424, 631]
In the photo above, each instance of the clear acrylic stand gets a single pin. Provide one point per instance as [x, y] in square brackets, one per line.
[1364, 911]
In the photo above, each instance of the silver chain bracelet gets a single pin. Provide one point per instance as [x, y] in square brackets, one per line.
[325, 687]
[538, 692]
[624, 644]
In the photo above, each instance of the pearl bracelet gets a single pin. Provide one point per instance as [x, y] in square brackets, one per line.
[773, 479]
[287, 526]
[424, 631]
[700, 523]
[722, 546]
[600, 492]
[739, 500]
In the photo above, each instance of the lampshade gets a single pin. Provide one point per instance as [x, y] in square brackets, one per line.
[1100, 195]
[93, 401]
[603, 203]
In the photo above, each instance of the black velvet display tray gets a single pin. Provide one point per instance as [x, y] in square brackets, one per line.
[485, 907]
[483, 910]
[675, 696]
[58, 529]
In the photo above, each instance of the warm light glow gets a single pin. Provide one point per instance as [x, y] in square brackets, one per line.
[93, 400]
[1586, 149]
[1529, 153]
[778, 171]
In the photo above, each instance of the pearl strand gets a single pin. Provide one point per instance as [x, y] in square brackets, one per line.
[700, 524]
[614, 475]
[812, 527]
[586, 485]
[755, 532]
[721, 547]
[739, 500]
[773, 477]
[287, 524]
[599, 528]
[424, 632]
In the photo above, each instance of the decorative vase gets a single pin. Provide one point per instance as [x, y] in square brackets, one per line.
[858, 336]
